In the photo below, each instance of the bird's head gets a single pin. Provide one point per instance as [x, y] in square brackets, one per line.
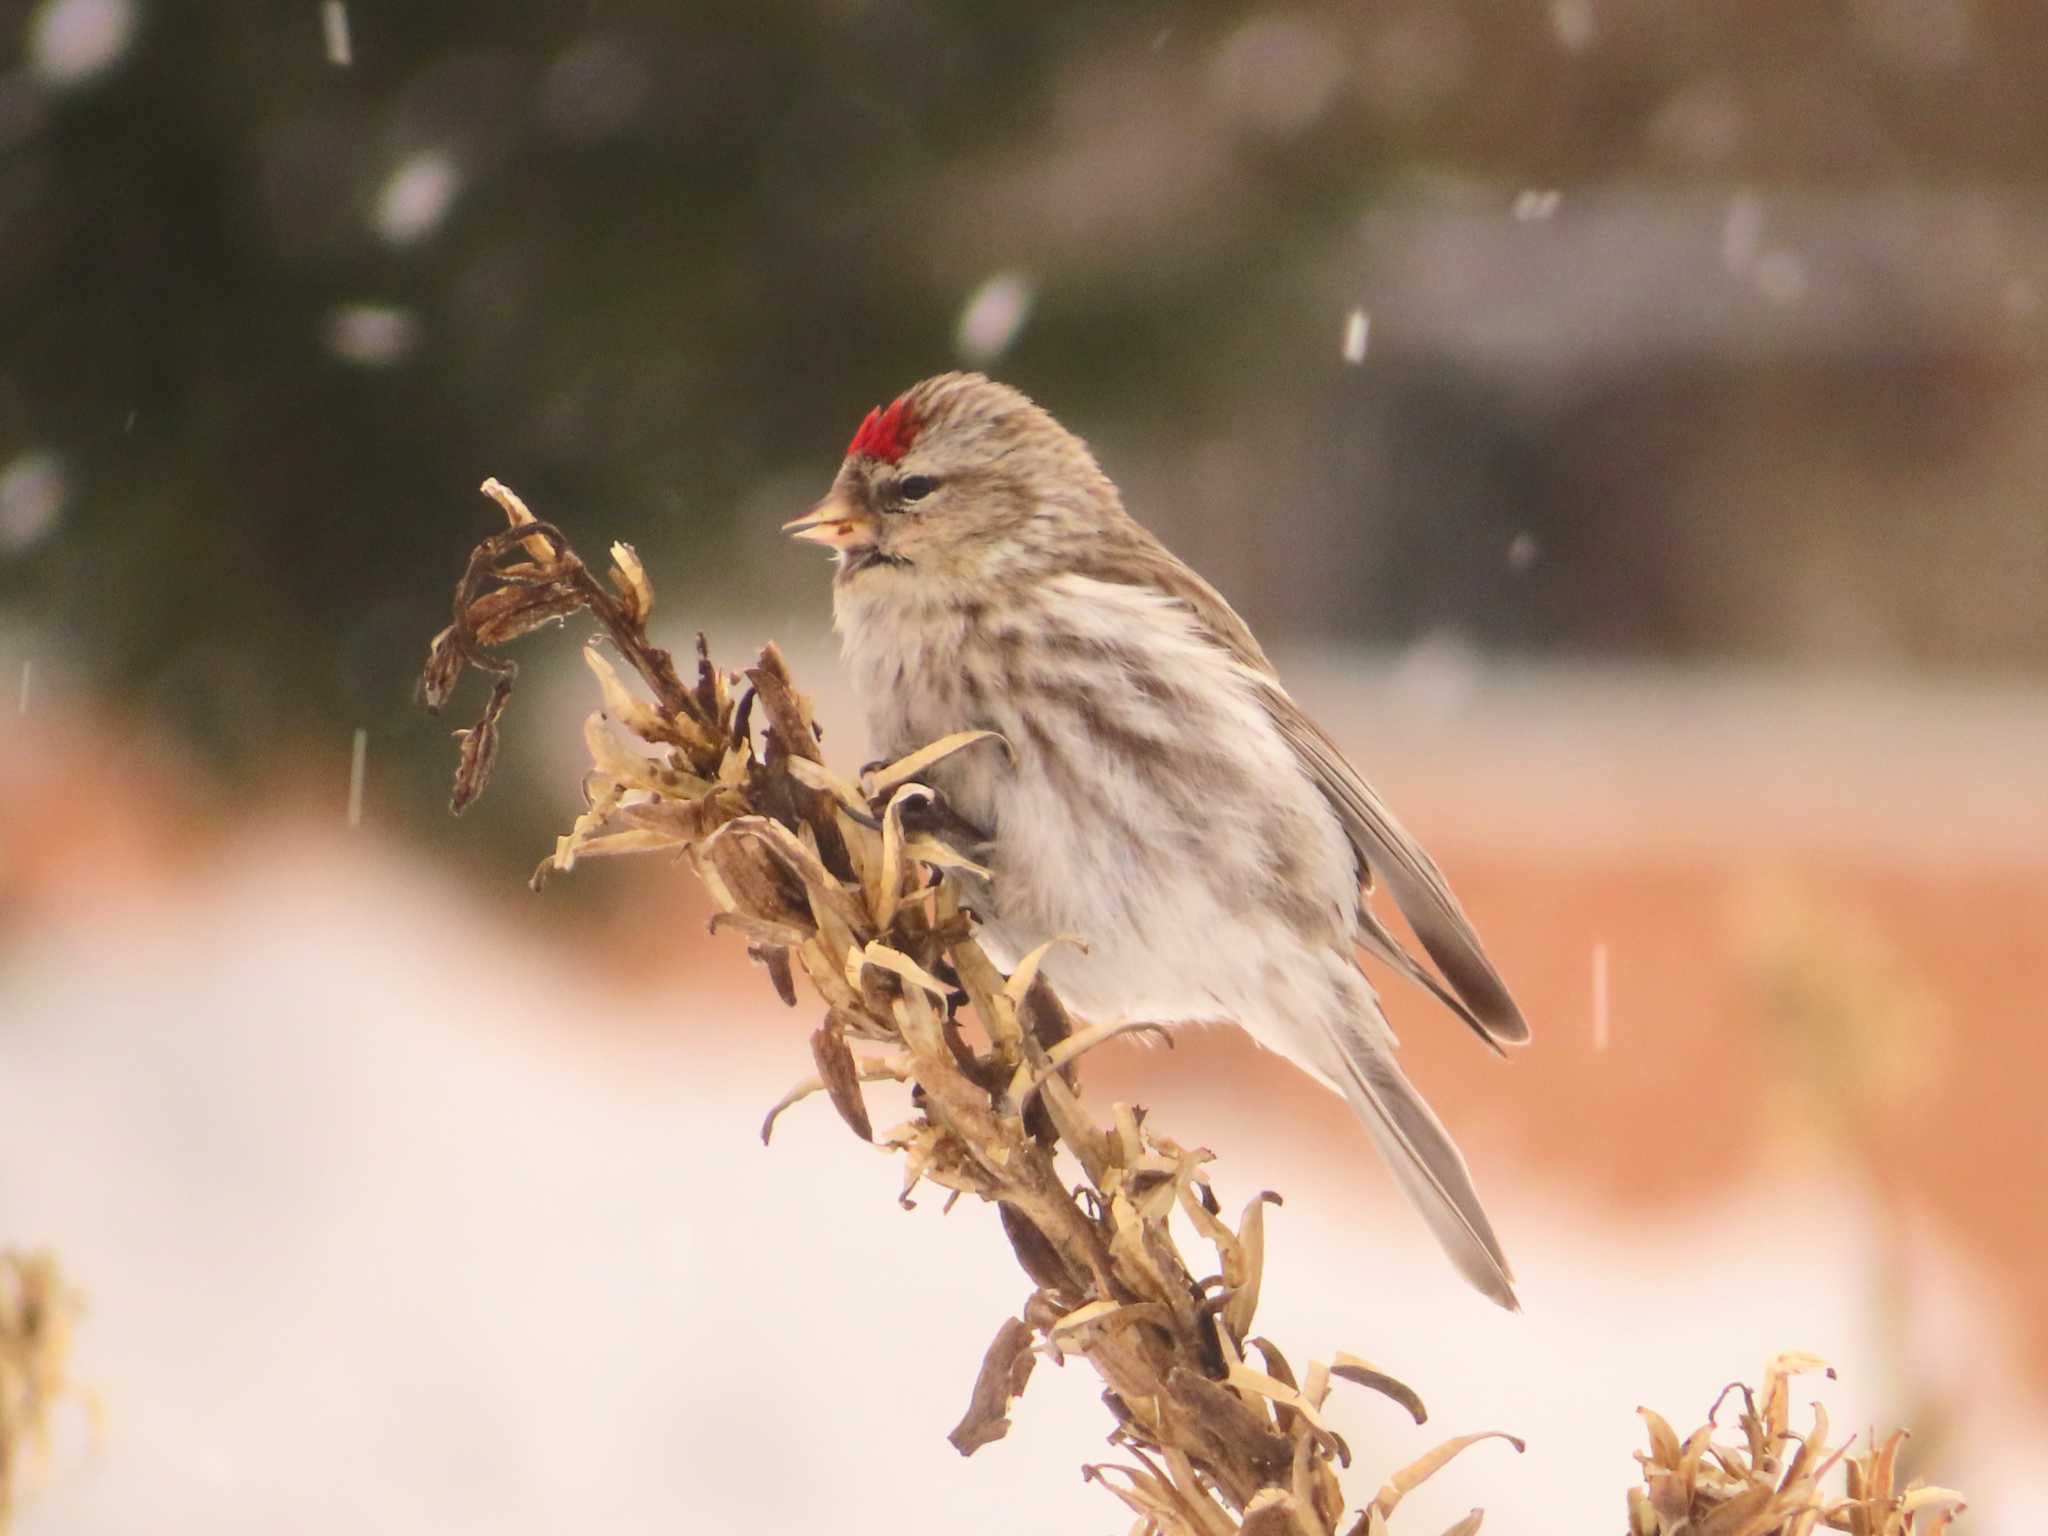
[959, 482]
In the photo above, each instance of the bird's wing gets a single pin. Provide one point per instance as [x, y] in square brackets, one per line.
[1384, 845]
[1128, 554]
[1374, 939]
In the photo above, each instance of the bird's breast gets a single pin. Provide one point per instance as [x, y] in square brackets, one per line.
[1148, 787]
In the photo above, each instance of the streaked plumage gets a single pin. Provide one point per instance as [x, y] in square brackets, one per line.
[1169, 801]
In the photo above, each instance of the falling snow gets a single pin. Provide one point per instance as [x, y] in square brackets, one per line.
[1357, 331]
[992, 318]
[371, 335]
[416, 197]
[1742, 232]
[359, 757]
[1781, 277]
[33, 490]
[1574, 24]
[334, 32]
[70, 42]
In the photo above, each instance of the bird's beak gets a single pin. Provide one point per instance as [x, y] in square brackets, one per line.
[835, 523]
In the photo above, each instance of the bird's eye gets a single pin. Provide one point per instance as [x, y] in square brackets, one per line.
[915, 487]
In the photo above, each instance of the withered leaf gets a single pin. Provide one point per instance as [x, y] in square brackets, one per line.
[789, 720]
[1251, 1255]
[751, 879]
[629, 580]
[709, 692]
[822, 779]
[762, 933]
[1147, 1493]
[884, 780]
[1366, 1374]
[681, 821]
[1878, 1470]
[1230, 1420]
[1277, 1512]
[1035, 1252]
[1669, 1496]
[842, 1079]
[442, 671]
[1004, 1371]
[879, 956]
[1278, 1368]
[1021, 979]
[478, 752]
[1045, 1016]
[774, 958]
[1664, 1450]
[1739, 1512]
[1426, 1466]
[504, 614]
[1276, 1363]
[840, 916]
[517, 516]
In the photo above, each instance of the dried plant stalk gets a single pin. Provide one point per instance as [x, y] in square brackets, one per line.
[864, 886]
[1774, 1481]
[37, 1312]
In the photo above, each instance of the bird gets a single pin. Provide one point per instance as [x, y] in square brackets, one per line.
[1164, 798]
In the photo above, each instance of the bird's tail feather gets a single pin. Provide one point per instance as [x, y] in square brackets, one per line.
[1427, 1165]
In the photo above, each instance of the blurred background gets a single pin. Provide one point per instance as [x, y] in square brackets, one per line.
[1625, 420]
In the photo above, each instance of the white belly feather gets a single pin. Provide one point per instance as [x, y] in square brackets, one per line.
[1154, 810]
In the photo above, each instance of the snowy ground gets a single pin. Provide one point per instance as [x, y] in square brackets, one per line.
[357, 1262]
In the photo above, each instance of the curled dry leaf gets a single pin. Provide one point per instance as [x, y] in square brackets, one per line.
[774, 958]
[1424, 1467]
[1351, 1368]
[478, 753]
[790, 728]
[744, 876]
[510, 612]
[1004, 1371]
[867, 1070]
[887, 780]
[443, 670]
[636, 594]
[842, 1080]
[1244, 1266]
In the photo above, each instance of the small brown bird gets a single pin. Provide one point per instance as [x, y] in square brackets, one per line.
[1167, 800]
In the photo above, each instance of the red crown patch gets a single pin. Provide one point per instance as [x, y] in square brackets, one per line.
[885, 435]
